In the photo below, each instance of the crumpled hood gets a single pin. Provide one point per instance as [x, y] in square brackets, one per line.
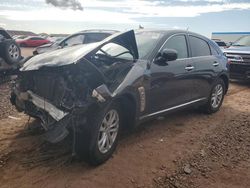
[60, 57]
[73, 54]
[238, 49]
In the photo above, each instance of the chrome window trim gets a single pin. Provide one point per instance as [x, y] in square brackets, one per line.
[172, 108]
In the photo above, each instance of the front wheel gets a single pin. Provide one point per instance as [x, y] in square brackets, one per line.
[98, 142]
[216, 97]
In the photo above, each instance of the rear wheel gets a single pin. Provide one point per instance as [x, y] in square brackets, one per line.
[98, 142]
[216, 97]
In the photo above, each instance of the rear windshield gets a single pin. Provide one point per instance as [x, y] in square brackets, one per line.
[243, 41]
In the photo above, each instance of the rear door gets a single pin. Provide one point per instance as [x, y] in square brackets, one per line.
[206, 66]
[172, 84]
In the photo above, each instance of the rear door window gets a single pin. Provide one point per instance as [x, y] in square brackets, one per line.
[199, 47]
[213, 50]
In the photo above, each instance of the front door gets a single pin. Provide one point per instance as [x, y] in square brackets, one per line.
[172, 84]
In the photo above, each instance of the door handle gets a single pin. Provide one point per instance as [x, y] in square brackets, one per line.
[215, 64]
[189, 68]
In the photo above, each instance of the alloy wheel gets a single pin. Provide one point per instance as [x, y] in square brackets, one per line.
[217, 96]
[13, 52]
[108, 131]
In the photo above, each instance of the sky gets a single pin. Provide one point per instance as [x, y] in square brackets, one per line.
[69, 16]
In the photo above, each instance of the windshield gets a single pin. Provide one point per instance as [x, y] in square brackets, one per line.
[146, 42]
[243, 41]
[115, 51]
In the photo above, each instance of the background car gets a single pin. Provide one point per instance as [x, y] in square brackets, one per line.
[239, 56]
[32, 41]
[83, 37]
[221, 44]
[128, 78]
[56, 39]
[10, 53]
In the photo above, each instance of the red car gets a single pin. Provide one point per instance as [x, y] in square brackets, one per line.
[32, 41]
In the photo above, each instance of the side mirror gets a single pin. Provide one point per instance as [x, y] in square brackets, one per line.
[169, 54]
[165, 56]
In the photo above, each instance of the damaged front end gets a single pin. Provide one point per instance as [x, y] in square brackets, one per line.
[56, 96]
[61, 86]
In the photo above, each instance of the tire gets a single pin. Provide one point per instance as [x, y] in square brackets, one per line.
[10, 52]
[91, 144]
[216, 97]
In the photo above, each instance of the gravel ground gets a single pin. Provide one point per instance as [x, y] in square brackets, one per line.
[219, 160]
[182, 150]
[6, 109]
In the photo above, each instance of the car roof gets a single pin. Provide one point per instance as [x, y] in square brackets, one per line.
[28, 37]
[172, 31]
[98, 31]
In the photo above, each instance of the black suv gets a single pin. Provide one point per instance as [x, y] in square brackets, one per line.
[239, 57]
[10, 53]
[95, 89]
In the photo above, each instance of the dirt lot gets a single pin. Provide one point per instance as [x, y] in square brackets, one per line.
[185, 149]
[27, 51]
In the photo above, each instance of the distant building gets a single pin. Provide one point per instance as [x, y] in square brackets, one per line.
[228, 36]
[17, 32]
